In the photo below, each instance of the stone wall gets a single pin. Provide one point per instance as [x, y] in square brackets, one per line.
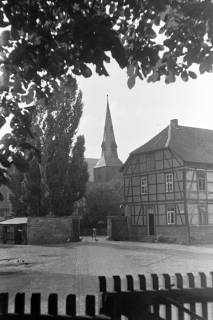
[138, 233]
[201, 234]
[47, 230]
[172, 233]
[117, 228]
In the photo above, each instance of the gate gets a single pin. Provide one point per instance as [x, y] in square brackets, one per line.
[178, 299]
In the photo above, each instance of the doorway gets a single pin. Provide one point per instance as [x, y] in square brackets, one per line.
[151, 224]
[151, 221]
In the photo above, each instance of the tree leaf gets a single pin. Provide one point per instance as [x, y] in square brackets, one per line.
[184, 76]
[2, 121]
[192, 74]
[130, 70]
[206, 65]
[112, 8]
[86, 71]
[131, 82]
[4, 38]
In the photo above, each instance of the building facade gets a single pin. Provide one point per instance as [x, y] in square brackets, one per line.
[108, 166]
[168, 186]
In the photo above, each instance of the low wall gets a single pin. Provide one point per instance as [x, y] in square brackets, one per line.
[201, 234]
[138, 233]
[117, 228]
[47, 230]
[171, 233]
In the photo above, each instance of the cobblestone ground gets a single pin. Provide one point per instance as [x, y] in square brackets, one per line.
[74, 267]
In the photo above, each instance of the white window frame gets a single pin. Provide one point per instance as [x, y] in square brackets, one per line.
[169, 182]
[201, 181]
[171, 216]
[144, 185]
[203, 216]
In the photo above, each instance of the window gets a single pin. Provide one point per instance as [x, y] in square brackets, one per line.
[171, 216]
[203, 215]
[169, 182]
[201, 180]
[144, 186]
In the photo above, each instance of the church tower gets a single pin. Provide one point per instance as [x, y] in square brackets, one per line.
[109, 164]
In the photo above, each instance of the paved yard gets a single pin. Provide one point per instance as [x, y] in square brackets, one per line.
[74, 267]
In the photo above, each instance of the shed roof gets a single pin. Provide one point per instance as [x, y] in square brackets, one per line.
[21, 220]
[191, 144]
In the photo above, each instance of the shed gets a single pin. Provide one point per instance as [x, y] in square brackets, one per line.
[14, 230]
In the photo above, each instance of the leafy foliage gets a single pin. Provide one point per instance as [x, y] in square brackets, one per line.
[48, 39]
[26, 192]
[102, 199]
[59, 180]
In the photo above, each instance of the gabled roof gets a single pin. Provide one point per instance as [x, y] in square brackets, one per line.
[191, 144]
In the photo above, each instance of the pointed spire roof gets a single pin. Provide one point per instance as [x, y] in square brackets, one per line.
[109, 155]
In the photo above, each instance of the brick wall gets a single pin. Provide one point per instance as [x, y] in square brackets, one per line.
[46, 230]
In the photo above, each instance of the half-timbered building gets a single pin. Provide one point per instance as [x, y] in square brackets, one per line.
[168, 186]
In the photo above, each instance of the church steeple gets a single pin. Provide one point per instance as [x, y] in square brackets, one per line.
[109, 156]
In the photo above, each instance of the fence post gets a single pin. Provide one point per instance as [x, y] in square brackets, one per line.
[19, 303]
[191, 280]
[53, 304]
[142, 282]
[71, 305]
[179, 280]
[155, 286]
[4, 303]
[90, 305]
[114, 301]
[35, 307]
[167, 284]
[203, 284]
[102, 284]
[117, 283]
[130, 283]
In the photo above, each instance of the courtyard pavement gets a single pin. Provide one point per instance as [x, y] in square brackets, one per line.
[74, 267]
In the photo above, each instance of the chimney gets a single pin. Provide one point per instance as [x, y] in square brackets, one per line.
[174, 122]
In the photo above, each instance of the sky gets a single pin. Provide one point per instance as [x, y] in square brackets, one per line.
[142, 112]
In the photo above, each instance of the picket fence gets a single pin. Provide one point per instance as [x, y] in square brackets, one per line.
[154, 297]
[158, 297]
[52, 308]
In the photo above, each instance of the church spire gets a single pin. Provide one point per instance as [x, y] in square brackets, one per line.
[109, 138]
[109, 155]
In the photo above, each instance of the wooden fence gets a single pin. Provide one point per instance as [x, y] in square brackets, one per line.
[158, 298]
[163, 297]
[52, 308]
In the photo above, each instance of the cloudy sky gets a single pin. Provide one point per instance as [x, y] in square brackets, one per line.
[140, 113]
